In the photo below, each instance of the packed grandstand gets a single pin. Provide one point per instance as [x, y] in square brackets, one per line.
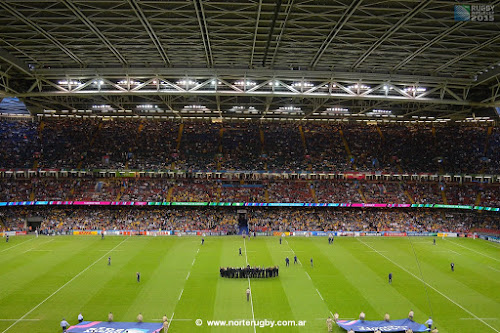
[333, 176]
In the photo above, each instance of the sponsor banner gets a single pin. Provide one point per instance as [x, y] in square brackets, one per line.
[394, 234]
[447, 234]
[9, 233]
[372, 233]
[261, 233]
[20, 233]
[86, 232]
[159, 233]
[319, 233]
[281, 233]
[345, 233]
[414, 233]
[92, 203]
[115, 327]
[400, 325]
[112, 232]
[301, 233]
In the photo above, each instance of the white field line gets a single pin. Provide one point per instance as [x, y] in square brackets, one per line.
[455, 252]
[249, 286]
[320, 295]
[19, 319]
[293, 252]
[433, 288]
[468, 248]
[10, 248]
[478, 318]
[493, 268]
[33, 248]
[60, 288]
[497, 245]
[310, 279]
[180, 296]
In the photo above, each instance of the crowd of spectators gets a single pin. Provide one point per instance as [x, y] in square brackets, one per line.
[259, 219]
[285, 191]
[154, 144]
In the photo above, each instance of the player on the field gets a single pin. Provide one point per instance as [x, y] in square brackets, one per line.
[80, 317]
[329, 324]
[410, 315]
[139, 318]
[390, 277]
[248, 294]
[240, 251]
[109, 261]
[294, 259]
[110, 317]
[452, 267]
[287, 262]
[429, 323]
[138, 274]
[64, 325]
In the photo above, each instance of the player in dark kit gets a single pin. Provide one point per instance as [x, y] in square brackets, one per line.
[294, 260]
[390, 277]
[240, 251]
[138, 276]
[280, 240]
[287, 262]
[109, 261]
[452, 267]
[202, 241]
[7, 239]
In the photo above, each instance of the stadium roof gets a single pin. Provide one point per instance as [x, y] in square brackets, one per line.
[252, 59]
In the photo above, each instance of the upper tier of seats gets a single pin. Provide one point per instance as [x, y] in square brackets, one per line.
[139, 144]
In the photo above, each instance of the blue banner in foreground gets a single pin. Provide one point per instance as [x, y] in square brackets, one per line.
[400, 325]
[115, 327]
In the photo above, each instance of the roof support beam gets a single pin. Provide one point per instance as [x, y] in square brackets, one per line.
[255, 33]
[42, 31]
[200, 14]
[149, 29]
[20, 65]
[271, 30]
[424, 47]
[391, 31]
[282, 30]
[95, 30]
[468, 53]
[333, 33]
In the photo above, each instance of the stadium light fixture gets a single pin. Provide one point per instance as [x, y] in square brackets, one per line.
[245, 83]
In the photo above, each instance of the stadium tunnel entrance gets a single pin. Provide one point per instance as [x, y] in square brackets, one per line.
[242, 222]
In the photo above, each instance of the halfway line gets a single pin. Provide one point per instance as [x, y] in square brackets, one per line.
[64, 285]
[249, 286]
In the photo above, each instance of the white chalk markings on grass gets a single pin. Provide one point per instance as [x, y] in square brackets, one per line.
[293, 252]
[19, 319]
[10, 248]
[60, 288]
[180, 296]
[309, 277]
[320, 295]
[468, 248]
[433, 288]
[249, 286]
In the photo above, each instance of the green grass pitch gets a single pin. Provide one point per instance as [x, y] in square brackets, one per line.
[44, 279]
